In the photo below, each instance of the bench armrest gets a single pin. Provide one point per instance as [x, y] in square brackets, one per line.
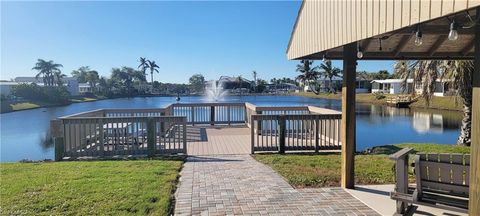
[400, 154]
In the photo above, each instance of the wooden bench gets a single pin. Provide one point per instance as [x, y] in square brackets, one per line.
[442, 181]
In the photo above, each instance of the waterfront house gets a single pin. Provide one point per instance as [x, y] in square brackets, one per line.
[394, 86]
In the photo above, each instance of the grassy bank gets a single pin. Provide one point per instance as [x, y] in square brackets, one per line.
[323, 170]
[444, 103]
[88, 188]
[11, 106]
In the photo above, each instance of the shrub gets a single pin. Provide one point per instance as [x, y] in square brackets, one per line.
[53, 94]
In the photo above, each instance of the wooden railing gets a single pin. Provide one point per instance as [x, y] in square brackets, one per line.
[120, 132]
[301, 132]
[210, 113]
[120, 136]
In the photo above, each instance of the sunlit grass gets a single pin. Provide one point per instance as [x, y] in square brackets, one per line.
[88, 188]
[323, 170]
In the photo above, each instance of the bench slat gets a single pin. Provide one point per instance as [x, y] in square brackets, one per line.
[450, 189]
[457, 174]
[445, 168]
[433, 172]
[467, 170]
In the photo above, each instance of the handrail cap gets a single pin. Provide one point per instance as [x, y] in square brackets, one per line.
[400, 153]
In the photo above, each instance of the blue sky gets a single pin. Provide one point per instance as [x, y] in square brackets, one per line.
[212, 38]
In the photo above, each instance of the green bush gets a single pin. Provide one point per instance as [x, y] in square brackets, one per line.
[54, 94]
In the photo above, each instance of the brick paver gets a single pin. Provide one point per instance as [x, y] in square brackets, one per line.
[239, 185]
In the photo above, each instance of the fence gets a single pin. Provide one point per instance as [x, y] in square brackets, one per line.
[210, 113]
[301, 132]
[120, 136]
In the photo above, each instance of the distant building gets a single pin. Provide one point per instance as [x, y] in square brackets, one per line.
[394, 86]
[282, 88]
[70, 83]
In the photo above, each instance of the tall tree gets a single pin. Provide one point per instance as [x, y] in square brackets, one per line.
[143, 65]
[81, 74]
[92, 78]
[46, 70]
[58, 76]
[329, 71]
[308, 75]
[197, 82]
[456, 74]
[153, 68]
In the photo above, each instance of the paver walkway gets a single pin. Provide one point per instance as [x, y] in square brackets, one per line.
[238, 184]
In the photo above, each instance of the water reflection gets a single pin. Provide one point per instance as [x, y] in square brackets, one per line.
[25, 134]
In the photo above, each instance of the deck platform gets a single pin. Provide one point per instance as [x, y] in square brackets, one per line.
[218, 140]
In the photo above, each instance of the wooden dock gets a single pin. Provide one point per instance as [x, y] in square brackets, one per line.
[399, 101]
[218, 140]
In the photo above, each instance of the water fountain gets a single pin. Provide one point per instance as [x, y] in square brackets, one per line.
[214, 91]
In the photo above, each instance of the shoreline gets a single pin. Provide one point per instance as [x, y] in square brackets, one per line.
[363, 98]
[368, 98]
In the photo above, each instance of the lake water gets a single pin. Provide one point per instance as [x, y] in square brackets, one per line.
[23, 133]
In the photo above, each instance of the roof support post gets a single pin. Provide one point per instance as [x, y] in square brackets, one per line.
[348, 115]
[474, 193]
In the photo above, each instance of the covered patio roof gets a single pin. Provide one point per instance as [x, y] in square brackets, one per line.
[352, 30]
[384, 30]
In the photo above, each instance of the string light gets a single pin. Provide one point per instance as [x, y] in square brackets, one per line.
[359, 52]
[418, 37]
[453, 34]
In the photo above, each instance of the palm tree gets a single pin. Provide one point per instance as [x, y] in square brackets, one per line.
[329, 72]
[81, 74]
[46, 69]
[456, 74]
[92, 78]
[309, 74]
[153, 68]
[143, 65]
[59, 78]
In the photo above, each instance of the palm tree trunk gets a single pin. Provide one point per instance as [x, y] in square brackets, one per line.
[465, 138]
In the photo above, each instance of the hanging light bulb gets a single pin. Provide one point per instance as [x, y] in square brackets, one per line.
[453, 34]
[359, 52]
[418, 37]
[324, 59]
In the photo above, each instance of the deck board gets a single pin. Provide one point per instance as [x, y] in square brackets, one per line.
[211, 140]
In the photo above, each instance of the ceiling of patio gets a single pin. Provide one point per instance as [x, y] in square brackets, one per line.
[311, 40]
[400, 44]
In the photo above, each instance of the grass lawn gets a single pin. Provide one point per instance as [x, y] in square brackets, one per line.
[9, 106]
[445, 103]
[88, 188]
[323, 170]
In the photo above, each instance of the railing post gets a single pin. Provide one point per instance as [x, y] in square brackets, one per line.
[212, 115]
[281, 137]
[252, 134]
[193, 115]
[101, 134]
[59, 148]
[228, 114]
[259, 123]
[317, 128]
[185, 136]
[151, 136]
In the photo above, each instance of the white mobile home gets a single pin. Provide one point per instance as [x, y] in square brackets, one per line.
[394, 86]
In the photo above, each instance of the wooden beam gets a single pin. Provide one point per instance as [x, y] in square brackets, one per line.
[437, 44]
[348, 115]
[474, 189]
[467, 48]
[403, 42]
